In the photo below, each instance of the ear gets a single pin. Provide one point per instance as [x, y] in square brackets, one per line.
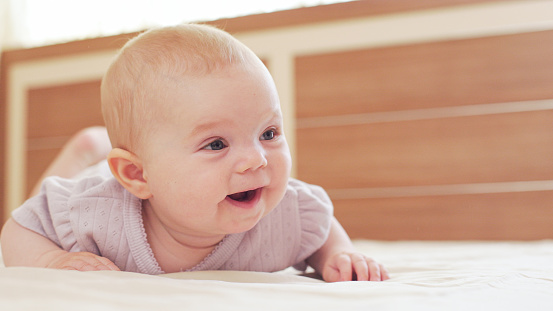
[127, 169]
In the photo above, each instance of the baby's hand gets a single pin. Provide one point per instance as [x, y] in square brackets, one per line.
[353, 266]
[81, 261]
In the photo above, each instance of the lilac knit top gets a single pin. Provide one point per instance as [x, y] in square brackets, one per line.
[96, 214]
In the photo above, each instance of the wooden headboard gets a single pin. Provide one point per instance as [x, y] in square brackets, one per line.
[422, 119]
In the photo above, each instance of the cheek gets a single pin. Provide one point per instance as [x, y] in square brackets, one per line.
[190, 184]
[281, 165]
[167, 184]
[282, 162]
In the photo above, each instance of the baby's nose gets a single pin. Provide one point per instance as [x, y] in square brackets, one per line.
[252, 159]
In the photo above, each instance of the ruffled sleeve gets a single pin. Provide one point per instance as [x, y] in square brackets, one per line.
[91, 213]
[315, 210]
[48, 214]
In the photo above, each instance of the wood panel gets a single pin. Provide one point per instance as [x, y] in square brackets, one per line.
[55, 113]
[37, 162]
[63, 109]
[451, 73]
[474, 149]
[343, 148]
[500, 216]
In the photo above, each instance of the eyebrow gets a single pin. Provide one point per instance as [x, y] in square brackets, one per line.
[206, 126]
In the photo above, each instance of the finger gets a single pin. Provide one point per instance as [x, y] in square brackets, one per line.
[331, 275]
[385, 275]
[88, 262]
[344, 265]
[374, 271]
[89, 267]
[69, 268]
[79, 265]
[99, 264]
[108, 264]
[360, 267]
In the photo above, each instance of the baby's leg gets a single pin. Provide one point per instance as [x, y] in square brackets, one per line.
[88, 147]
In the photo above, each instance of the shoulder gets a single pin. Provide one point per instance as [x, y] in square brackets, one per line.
[57, 192]
[315, 211]
[62, 203]
[309, 198]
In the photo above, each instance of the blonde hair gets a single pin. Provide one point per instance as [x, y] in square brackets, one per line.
[131, 94]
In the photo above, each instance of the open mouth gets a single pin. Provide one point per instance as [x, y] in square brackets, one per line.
[245, 196]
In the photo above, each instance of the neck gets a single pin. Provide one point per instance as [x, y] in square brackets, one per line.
[173, 249]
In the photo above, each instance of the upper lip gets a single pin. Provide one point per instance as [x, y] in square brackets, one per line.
[249, 189]
[249, 186]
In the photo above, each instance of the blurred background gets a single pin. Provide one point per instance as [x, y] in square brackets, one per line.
[428, 119]
[29, 23]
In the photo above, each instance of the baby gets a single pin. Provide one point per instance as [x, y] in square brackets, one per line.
[198, 176]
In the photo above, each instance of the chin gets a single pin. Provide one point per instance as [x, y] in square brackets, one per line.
[244, 225]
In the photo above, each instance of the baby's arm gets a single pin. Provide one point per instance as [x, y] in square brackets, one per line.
[23, 247]
[337, 259]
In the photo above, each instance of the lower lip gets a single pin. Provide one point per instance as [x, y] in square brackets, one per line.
[246, 204]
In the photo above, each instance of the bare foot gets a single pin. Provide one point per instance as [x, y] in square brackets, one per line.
[88, 147]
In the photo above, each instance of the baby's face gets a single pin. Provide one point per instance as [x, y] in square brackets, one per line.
[220, 161]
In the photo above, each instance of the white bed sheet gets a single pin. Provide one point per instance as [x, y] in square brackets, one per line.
[425, 276]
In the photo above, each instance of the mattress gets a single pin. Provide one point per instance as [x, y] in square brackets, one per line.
[471, 275]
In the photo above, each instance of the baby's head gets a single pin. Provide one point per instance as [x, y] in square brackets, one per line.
[195, 120]
[137, 83]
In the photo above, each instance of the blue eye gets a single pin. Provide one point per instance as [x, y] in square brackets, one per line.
[268, 135]
[217, 144]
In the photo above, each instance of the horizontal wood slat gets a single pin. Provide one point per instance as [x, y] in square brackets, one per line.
[427, 75]
[434, 190]
[503, 216]
[424, 114]
[62, 110]
[477, 149]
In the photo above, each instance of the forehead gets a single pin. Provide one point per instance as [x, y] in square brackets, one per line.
[246, 91]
